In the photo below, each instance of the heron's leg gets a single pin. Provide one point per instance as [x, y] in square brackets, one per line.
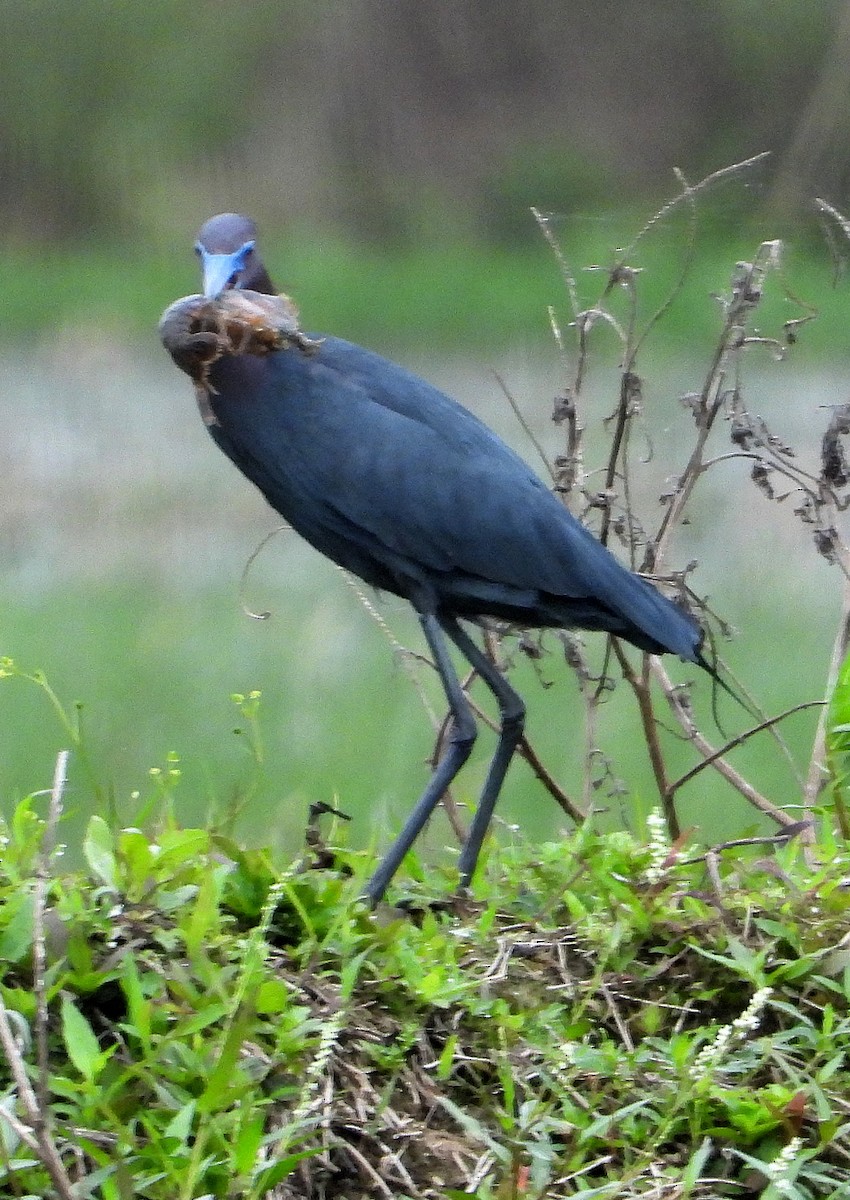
[512, 712]
[459, 747]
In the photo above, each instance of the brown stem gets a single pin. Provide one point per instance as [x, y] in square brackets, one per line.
[37, 1118]
[705, 748]
[526, 751]
[817, 773]
[640, 686]
[450, 805]
[739, 741]
[39, 969]
[628, 383]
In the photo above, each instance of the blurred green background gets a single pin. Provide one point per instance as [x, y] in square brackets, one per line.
[390, 150]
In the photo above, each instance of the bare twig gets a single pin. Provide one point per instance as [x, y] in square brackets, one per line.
[543, 222]
[689, 195]
[629, 391]
[60, 776]
[772, 729]
[622, 1027]
[36, 1105]
[263, 614]
[526, 751]
[369, 1171]
[640, 686]
[592, 691]
[818, 773]
[526, 428]
[35, 1115]
[776, 839]
[841, 221]
[740, 739]
[19, 1129]
[704, 747]
[721, 381]
[746, 293]
[689, 191]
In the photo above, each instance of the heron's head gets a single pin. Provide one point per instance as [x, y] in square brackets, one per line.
[226, 246]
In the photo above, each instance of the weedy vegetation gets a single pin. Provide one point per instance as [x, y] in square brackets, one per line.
[616, 1014]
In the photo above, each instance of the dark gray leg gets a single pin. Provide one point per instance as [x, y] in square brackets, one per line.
[512, 711]
[459, 747]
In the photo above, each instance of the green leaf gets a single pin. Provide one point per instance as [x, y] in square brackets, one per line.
[180, 1125]
[97, 1182]
[99, 852]
[839, 708]
[16, 939]
[138, 1006]
[204, 918]
[248, 1144]
[272, 997]
[599, 1127]
[350, 973]
[135, 851]
[269, 1176]
[225, 1078]
[444, 1066]
[693, 1171]
[178, 846]
[202, 1020]
[80, 1042]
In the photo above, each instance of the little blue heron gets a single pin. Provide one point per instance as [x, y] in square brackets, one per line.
[399, 484]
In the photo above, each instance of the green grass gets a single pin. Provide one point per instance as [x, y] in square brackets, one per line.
[340, 717]
[598, 1020]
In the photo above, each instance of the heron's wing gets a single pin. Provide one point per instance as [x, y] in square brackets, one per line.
[364, 458]
[354, 438]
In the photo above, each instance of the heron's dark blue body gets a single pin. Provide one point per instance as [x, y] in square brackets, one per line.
[399, 484]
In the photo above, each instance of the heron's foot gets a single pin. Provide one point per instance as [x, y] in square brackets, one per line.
[461, 905]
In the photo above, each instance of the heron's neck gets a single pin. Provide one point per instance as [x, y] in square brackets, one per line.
[259, 281]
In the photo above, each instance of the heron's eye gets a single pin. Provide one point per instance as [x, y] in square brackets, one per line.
[199, 249]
